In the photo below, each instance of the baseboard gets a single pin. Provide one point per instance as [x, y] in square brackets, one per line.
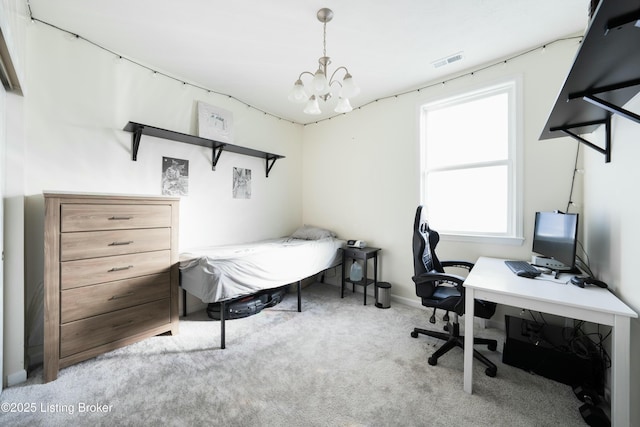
[415, 303]
[17, 378]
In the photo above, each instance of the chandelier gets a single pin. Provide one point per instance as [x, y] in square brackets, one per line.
[321, 87]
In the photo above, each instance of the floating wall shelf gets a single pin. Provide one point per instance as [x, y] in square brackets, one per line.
[217, 147]
[603, 78]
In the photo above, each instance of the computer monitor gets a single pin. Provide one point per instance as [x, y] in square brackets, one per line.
[555, 235]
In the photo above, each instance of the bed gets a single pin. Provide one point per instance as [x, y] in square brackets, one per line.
[226, 273]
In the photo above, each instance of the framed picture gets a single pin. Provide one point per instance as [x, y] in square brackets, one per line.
[215, 123]
[241, 183]
[175, 177]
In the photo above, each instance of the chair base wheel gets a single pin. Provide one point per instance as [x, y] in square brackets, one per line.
[414, 334]
[432, 361]
[491, 372]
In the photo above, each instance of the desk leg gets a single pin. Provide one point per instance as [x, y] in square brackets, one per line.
[223, 309]
[375, 276]
[468, 339]
[620, 365]
[344, 262]
[366, 279]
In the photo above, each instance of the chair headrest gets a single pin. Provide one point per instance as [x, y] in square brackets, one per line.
[424, 242]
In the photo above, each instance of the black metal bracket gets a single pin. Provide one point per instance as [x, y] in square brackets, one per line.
[271, 159]
[590, 96]
[135, 142]
[622, 21]
[215, 156]
[605, 151]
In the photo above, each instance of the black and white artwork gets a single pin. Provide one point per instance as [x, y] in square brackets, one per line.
[215, 123]
[241, 183]
[175, 177]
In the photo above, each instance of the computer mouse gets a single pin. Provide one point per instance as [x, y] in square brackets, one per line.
[578, 281]
[596, 282]
[581, 281]
[528, 274]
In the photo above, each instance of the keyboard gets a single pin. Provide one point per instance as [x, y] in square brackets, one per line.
[523, 269]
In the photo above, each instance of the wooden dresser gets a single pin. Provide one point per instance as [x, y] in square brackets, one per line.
[110, 274]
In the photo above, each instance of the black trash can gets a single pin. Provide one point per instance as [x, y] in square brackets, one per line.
[383, 292]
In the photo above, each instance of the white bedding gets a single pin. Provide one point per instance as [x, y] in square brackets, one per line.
[225, 272]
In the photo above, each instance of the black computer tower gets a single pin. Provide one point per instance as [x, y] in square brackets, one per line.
[561, 354]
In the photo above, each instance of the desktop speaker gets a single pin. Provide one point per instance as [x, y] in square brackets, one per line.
[553, 352]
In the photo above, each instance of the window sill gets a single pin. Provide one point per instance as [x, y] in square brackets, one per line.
[496, 240]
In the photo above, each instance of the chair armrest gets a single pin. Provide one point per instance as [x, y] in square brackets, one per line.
[453, 279]
[461, 264]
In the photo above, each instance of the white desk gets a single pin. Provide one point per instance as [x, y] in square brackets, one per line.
[491, 280]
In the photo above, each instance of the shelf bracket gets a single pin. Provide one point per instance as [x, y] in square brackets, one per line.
[215, 155]
[590, 97]
[612, 108]
[622, 21]
[135, 142]
[271, 159]
[605, 151]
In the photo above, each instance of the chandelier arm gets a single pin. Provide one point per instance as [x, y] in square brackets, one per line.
[334, 73]
[305, 72]
[335, 81]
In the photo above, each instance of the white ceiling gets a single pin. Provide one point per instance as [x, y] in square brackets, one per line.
[254, 50]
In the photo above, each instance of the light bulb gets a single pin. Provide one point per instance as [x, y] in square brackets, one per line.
[312, 106]
[297, 93]
[344, 106]
[349, 89]
[319, 83]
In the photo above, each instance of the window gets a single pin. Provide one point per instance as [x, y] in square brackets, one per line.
[469, 177]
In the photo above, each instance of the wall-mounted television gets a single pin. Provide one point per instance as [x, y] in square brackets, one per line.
[555, 235]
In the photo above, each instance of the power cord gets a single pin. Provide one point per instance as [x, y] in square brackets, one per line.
[573, 179]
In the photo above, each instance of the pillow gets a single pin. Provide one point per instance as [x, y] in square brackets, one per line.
[309, 232]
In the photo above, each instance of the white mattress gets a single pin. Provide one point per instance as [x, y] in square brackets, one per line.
[225, 272]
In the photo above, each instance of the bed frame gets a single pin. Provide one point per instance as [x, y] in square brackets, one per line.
[223, 304]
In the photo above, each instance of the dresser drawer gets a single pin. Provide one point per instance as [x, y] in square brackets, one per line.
[93, 244]
[81, 217]
[108, 269]
[87, 301]
[92, 332]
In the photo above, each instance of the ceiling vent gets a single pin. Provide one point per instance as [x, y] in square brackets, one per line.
[448, 60]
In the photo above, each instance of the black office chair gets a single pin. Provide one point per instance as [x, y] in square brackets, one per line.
[440, 290]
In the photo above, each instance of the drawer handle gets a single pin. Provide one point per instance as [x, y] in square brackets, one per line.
[121, 243]
[121, 268]
[119, 218]
[128, 294]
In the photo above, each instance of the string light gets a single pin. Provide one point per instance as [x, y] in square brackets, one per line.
[155, 73]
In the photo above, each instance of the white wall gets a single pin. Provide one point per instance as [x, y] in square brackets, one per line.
[14, 248]
[12, 20]
[612, 226]
[80, 97]
[361, 171]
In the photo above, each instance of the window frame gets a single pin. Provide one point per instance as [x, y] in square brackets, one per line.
[514, 162]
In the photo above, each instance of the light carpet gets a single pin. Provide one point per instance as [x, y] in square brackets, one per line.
[337, 363]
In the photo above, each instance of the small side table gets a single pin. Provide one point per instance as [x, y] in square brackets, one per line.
[364, 254]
